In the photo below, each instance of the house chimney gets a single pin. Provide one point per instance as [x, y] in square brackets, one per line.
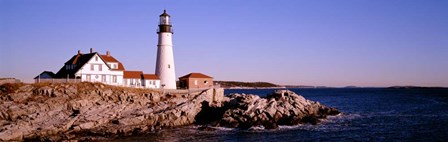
[108, 53]
[91, 50]
[79, 52]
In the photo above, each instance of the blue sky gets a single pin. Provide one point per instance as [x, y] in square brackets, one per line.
[299, 42]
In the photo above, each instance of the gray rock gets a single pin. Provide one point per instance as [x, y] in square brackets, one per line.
[64, 111]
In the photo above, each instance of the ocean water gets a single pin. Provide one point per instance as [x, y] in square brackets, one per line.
[369, 114]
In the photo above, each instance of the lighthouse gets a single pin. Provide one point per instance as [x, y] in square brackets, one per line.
[165, 68]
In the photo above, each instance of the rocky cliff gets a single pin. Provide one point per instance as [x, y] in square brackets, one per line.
[86, 110]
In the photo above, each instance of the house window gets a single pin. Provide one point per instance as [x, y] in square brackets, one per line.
[100, 67]
[114, 79]
[88, 77]
[115, 66]
[92, 67]
[103, 78]
[205, 82]
[96, 76]
[96, 58]
[131, 81]
[169, 66]
[195, 82]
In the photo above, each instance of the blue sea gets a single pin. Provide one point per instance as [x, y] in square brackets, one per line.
[369, 114]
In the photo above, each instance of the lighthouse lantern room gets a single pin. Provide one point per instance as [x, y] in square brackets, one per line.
[165, 24]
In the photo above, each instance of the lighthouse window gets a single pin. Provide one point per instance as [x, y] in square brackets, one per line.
[168, 65]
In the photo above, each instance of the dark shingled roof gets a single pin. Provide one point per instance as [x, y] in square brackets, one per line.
[51, 74]
[79, 60]
[195, 75]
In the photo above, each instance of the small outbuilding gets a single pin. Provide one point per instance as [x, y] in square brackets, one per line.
[151, 81]
[139, 80]
[44, 76]
[132, 78]
[195, 81]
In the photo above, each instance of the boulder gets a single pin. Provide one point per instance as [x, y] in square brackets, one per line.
[283, 107]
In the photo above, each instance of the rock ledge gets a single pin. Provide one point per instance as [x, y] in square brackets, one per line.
[86, 111]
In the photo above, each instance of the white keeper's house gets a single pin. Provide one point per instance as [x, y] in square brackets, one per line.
[94, 67]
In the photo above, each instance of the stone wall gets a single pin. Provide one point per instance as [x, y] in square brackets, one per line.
[8, 80]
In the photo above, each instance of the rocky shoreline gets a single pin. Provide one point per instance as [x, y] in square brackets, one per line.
[86, 111]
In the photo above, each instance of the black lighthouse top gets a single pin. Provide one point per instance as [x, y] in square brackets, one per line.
[164, 14]
[165, 24]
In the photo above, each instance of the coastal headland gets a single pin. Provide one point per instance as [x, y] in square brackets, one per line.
[89, 111]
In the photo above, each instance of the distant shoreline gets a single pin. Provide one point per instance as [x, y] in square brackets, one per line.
[392, 87]
[280, 87]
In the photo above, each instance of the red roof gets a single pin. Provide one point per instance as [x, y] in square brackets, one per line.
[195, 75]
[132, 74]
[120, 67]
[109, 58]
[150, 76]
[112, 59]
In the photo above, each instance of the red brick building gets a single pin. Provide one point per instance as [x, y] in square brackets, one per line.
[195, 81]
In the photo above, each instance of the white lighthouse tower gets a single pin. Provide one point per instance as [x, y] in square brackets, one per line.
[165, 68]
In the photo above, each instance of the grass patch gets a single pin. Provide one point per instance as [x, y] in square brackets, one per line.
[10, 87]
